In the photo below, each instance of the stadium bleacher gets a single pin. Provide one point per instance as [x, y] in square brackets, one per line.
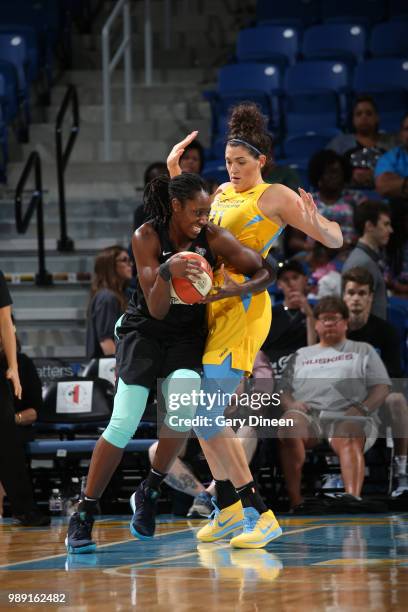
[321, 56]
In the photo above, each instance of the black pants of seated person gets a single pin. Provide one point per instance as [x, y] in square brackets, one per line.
[13, 469]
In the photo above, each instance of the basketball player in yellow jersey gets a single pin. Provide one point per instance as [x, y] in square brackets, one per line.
[238, 326]
[255, 213]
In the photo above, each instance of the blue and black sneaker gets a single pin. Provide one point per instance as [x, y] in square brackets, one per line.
[79, 537]
[143, 503]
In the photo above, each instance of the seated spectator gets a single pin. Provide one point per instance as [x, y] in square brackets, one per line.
[329, 173]
[292, 321]
[112, 273]
[279, 173]
[391, 171]
[27, 408]
[335, 378]
[324, 278]
[358, 287]
[397, 253]
[192, 159]
[373, 224]
[365, 145]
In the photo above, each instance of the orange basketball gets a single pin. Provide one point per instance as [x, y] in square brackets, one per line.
[184, 291]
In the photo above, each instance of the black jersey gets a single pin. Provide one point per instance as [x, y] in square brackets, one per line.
[180, 320]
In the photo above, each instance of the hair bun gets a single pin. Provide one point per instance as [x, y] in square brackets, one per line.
[247, 122]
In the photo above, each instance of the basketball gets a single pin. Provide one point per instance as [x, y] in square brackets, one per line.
[187, 292]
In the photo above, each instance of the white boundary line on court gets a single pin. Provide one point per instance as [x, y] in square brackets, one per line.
[102, 546]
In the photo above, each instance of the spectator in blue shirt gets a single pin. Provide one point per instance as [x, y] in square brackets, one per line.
[391, 172]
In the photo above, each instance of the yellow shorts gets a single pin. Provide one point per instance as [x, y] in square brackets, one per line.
[237, 326]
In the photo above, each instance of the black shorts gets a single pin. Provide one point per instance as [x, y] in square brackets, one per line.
[141, 359]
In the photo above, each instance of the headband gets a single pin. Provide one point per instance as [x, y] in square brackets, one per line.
[245, 143]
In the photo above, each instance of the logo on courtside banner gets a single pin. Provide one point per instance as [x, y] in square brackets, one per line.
[75, 396]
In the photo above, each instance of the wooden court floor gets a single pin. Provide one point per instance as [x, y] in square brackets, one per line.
[319, 564]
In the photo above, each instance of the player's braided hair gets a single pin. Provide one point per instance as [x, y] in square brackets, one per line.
[159, 193]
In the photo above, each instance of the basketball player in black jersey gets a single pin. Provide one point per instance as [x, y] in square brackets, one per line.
[156, 339]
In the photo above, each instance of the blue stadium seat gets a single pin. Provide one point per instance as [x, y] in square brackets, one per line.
[381, 73]
[44, 16]
[295, 12]
[316, 95]
[300, 164]
[13, 50]
[30, 38]
[258, 82]
[386, 79]
[358, 11]
[390, 39]
[44, 448]
[274, 43]
[305, 145]
[341, 41]
[218, 147]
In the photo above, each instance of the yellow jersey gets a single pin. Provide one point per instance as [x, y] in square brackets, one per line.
[239, 325]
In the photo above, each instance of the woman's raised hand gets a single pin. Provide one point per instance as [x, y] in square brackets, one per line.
[173, 159]
[307, 205]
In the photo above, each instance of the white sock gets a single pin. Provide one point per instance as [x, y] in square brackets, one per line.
[401, 463]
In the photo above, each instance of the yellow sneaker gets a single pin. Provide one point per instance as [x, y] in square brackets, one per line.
[222, 522]
[259, 529]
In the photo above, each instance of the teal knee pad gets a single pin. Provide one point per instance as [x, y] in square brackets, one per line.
[180, 391]
[128, 408]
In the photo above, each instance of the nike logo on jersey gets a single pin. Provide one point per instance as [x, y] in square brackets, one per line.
[165, 253]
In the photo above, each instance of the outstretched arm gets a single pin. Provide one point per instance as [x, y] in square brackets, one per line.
[244, 260]
[301, 212]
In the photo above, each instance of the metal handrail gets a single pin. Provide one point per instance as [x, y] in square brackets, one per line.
[108, 66]
[71, 96]
[36, 204]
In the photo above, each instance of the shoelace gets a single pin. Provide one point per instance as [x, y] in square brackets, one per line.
[214, 513]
